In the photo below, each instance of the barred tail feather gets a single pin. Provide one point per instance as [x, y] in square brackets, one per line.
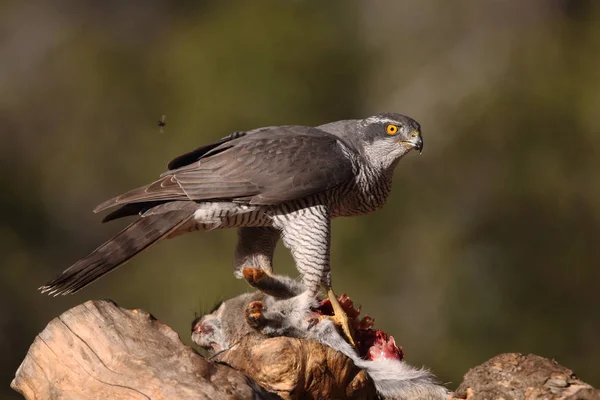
[137, 237]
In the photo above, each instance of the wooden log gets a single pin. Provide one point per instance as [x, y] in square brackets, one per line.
[516, 376]
[99, 350]
[298, 369]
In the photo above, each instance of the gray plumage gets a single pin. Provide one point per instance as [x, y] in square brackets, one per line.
[285, 181]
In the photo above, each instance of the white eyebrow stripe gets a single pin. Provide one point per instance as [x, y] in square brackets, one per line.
[371, 120]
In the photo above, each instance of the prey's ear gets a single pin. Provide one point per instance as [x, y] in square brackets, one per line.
[277, 286]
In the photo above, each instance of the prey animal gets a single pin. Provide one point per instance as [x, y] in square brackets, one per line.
[281, 308]
[276, 182]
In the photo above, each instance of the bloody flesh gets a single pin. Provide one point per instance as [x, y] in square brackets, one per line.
[371, 344]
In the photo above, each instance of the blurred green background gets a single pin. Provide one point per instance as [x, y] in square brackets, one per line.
[488, 243]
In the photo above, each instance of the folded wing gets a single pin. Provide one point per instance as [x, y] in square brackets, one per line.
[267, 167]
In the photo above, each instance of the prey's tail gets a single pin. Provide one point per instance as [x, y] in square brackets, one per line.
[394, 379]
[137, 237]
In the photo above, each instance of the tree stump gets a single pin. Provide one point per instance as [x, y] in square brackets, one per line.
[98, 350]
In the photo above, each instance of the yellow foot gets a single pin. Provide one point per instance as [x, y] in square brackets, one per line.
[339, 317]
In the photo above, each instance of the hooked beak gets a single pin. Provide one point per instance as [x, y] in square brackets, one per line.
[416, 142]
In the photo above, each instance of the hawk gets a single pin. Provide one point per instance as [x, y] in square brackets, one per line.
[279, 182]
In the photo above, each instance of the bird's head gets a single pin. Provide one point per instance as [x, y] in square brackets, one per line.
[387, 137]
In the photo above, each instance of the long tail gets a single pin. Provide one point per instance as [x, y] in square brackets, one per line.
[137, 237]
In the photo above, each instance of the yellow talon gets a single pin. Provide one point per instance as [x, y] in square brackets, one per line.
[340, 317]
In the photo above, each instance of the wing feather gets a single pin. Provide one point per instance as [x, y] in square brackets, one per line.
[268, 166]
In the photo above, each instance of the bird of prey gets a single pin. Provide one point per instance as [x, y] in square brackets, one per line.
[275, 182]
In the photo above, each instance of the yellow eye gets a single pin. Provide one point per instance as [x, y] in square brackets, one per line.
[391, 129]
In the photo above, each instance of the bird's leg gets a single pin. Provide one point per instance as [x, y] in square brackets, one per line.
[307, 233]
[255, 249]
[340, 317]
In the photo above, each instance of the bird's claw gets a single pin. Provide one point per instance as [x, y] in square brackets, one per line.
[343, 321]
[340, 317]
